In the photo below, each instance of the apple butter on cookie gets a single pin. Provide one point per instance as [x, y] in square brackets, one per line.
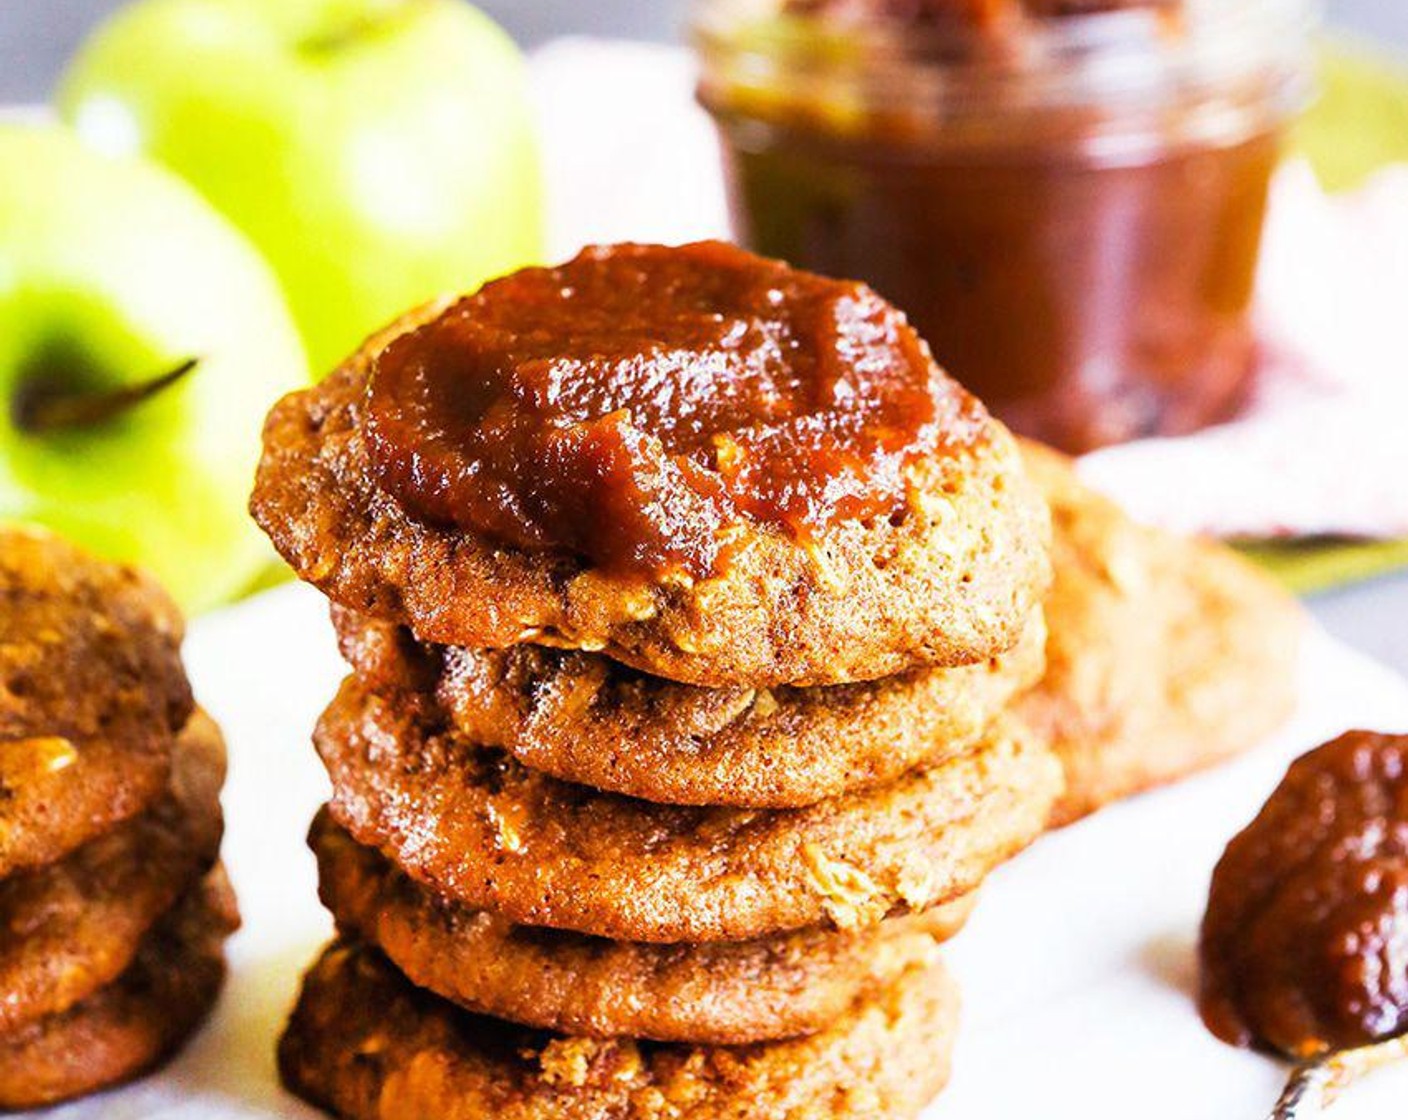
[704, 464]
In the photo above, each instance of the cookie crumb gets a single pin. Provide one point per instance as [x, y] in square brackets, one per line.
[568, 1061]
[851, 898]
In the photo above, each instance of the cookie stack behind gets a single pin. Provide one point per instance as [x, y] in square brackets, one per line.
[605, 845]
[1165, 655]
[112, 902]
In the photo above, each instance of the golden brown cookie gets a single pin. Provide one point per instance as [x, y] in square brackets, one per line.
[480, 828]
[950, 578]
[73, 927]
[725, 993]
[1165, 655]
[586, 719]
[92, 692]
[366, 1045]
[135, 1023]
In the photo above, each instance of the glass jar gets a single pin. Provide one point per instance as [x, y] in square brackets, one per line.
[1069, 207]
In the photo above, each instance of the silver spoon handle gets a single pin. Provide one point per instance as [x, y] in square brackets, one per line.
[1305, 1095]
[1314, 1086]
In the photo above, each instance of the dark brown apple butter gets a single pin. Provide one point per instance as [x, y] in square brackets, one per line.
[633, 405]
[1305, 944]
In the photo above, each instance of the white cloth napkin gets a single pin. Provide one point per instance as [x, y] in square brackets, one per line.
[1321, 450]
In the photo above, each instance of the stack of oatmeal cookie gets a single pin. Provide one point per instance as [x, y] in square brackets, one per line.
[113, 907]
[631, 817]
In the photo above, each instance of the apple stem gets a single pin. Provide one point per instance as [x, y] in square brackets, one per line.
[44, 409]
[364, 27]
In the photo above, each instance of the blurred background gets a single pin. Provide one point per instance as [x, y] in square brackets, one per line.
[36, 37]
[586, 84]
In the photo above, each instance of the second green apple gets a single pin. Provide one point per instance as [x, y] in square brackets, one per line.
[379, 152]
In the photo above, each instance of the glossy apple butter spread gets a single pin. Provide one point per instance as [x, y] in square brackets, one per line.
[1066, 197]
[1305, 944]
[636, 405]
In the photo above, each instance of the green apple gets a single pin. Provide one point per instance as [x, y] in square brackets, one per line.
[142, 339]
[1358, 121]
[379, 152]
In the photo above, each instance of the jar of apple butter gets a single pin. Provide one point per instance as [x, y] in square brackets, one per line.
[1065, 196]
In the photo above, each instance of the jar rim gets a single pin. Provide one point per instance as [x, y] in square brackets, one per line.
[1139, 55]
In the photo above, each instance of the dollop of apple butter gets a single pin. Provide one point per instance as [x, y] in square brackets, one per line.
[1305, 944]
[638, 404]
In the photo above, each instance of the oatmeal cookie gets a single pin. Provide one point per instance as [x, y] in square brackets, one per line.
[134, 1024]
[479, 828]
[946, 573]
[1165, 655]
[73, 927]
[587, 719]
[724, 993]
[366, 1045]
[92, 694]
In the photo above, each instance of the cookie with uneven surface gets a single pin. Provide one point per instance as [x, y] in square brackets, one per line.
[480, 828]
[74, 926]
[709, 466]
[135, 1023]
[92, 694]
[365, 1044]
[587, 719]
[1165, 656]
[725, 993]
